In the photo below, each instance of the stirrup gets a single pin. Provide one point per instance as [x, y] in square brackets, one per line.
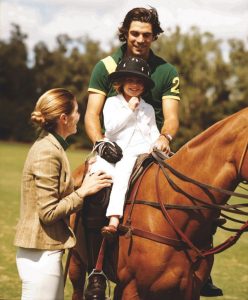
[101, 273]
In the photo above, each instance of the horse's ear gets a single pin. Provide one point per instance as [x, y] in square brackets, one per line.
[78, 175]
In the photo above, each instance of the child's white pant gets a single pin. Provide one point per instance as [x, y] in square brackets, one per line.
[41, 273]
[120, 173]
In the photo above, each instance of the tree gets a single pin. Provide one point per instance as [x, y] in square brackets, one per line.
[203, 75]
[17, 87]
[69, 65]
[211, 88]
[238, 81]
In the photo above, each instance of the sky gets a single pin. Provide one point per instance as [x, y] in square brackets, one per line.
[43, 20]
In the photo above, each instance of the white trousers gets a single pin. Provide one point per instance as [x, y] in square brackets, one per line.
[120, 173]
[41, 273]
[123, 170]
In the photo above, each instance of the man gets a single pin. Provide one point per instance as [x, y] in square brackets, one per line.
[139, 29]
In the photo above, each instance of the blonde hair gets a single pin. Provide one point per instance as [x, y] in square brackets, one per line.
[50, 106]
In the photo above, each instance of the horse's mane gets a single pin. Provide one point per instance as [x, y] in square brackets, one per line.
[228, 128]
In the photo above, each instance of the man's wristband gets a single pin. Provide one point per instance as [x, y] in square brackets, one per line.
[167, 136]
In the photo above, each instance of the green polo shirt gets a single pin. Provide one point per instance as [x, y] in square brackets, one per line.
[163, 74]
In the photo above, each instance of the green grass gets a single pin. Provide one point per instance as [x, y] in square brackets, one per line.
[230, 270]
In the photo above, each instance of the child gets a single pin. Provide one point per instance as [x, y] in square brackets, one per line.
[130, 122]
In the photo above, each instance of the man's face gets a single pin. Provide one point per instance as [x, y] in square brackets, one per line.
[139, 39]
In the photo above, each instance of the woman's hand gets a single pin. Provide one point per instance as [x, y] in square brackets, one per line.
[93, 183]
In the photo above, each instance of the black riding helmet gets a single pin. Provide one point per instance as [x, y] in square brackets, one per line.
[133, 66]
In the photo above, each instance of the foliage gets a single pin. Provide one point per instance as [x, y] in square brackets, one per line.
[17, 87]
[211, 86]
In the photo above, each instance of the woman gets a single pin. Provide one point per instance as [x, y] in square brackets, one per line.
[48, 198]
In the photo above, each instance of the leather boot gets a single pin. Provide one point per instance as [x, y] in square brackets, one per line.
[210, 290]
[96, 287]
[94, 218]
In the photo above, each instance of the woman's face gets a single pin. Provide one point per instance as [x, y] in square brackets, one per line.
[72, 120]
[133, 87]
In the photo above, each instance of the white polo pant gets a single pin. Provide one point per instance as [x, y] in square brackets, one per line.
[41, 273]
[120, 173]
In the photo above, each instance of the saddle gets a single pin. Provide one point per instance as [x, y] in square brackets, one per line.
[142, 162]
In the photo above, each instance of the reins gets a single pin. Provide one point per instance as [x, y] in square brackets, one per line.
[170, 220]
[205, 187]
[187, 207]
[184, 241]
[158, 157]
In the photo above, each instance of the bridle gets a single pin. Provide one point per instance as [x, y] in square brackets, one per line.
[183, 242]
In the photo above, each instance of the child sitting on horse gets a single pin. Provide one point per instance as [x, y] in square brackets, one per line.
[130, 123]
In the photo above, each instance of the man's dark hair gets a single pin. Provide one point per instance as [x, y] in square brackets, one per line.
[142, 15]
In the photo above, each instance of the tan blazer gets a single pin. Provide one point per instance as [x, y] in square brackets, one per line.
[47, 198]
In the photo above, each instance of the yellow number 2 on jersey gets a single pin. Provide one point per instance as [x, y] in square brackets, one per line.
[175, 88]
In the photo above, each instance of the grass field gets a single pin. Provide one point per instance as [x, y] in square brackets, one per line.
[230, 269]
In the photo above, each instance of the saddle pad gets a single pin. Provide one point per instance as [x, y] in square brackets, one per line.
[142, 162]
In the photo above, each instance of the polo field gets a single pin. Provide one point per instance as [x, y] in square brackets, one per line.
[230, 271]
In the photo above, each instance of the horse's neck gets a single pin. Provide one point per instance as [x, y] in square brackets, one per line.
[214, 156]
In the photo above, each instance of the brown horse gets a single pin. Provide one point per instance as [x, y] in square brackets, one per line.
[154, 270]
[169, 262]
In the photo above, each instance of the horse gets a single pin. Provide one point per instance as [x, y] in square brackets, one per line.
[165, 251]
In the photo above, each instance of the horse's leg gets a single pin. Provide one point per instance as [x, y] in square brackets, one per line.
[117, 292]
[77, 274]
[192, 292]
[129, 292]
[78, 261]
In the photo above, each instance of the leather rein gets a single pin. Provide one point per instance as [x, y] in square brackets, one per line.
[183, 242]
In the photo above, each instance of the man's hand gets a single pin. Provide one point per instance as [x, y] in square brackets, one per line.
[162, 144]
[108, 150]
